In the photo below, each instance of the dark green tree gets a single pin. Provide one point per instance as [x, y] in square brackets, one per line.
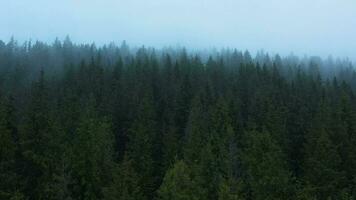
[142, 135]
[92, 155]
[9, 184]
[267, 174]
[37, 135]
[322, 173]
[179, 184]
[125, 185]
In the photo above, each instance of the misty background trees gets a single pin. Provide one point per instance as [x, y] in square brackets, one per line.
[113, 122]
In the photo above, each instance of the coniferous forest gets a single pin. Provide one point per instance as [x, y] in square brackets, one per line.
[85, 122]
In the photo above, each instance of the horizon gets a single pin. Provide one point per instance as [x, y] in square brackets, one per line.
[315, 28]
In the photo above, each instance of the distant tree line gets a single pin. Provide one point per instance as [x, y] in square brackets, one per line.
[80, 122]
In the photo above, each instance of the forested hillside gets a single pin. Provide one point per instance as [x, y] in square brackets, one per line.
[80, 122]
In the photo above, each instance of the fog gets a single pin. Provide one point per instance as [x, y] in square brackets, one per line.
[313, 27]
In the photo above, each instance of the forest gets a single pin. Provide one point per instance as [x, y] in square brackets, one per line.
[114, 122]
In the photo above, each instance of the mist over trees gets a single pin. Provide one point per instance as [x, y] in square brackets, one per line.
[83, 122]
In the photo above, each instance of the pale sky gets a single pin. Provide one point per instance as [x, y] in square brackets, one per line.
[313, 27]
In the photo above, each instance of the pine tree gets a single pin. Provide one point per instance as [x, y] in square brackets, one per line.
[347, 147]
[222, 137]
[178, 184]
[171, 145]
[266, 170]
[142, 134]
[9, 184]
[36, 135]
[196, 132]
[92, 155]
[322, 173]
[229, 190]
[218, 157]
[125, 185]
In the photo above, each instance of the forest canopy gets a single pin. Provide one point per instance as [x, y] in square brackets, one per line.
[78, 121]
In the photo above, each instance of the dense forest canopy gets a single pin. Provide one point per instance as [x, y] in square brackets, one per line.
[83, 122]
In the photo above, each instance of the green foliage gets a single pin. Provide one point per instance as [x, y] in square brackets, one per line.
[141, 151]
[92, 156]
[125, 184]
[8, 150]
[88, 122]
[230, 190]
[179, 184]
[266, 171]
[322, 160]
[195, 132]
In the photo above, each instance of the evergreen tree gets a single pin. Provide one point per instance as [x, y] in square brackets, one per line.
[266, 173]
[141, 146]
[196, 132]
[36, 135]
[229, 190]
[125, 185]
[113, 122]
[178, 184]
[9, 184]
[322, 161]
[92, 156]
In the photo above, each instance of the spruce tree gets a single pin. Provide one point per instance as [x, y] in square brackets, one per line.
[142, 135]
[125, 185]
[322, 173]
[9, 184]
[267, 174]
[36, 135]
[92, 155]
[179, 184]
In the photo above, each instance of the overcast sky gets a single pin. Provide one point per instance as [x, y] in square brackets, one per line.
[313, 27]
